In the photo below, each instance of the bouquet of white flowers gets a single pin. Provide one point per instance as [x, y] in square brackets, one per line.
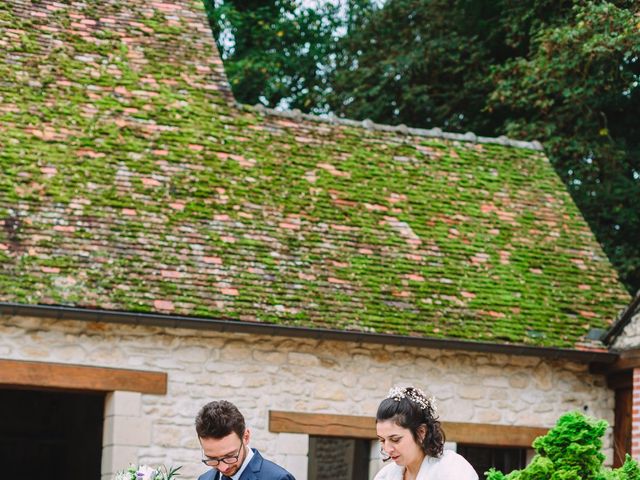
[144, 472]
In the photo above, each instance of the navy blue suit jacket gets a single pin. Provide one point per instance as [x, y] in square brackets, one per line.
[258, 469]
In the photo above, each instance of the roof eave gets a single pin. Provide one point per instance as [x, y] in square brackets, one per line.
[237, 326]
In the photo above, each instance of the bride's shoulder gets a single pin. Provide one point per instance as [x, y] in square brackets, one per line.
[390, 471]
[451, 463]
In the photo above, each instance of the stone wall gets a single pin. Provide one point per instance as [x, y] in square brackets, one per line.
[261, 373]
[630, 336]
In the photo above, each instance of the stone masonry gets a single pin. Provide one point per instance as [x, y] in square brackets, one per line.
[630, 336]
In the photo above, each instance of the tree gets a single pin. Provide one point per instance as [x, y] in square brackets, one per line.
[428, 62]
[276, 52]
[412, 62]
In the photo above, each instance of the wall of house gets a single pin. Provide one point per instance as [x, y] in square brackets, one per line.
[262, 373]
[630, 336]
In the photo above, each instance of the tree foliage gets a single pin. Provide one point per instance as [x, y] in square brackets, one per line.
[276, 52]
[414, 62]
[571, 451]
[565, 72]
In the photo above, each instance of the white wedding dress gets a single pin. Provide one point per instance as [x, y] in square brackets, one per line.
[450, 466]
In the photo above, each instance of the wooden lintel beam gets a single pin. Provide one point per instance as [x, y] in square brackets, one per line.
[493, 435]
[322, 424]
[627, 360]
[77, 377]
[353, 426]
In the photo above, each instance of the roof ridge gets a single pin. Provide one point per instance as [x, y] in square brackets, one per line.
[368, 124]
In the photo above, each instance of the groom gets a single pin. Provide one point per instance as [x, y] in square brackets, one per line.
[224, 439]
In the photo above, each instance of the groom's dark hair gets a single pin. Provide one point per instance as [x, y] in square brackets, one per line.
[218, 419]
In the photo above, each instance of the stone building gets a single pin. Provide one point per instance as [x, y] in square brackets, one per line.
[162, 246]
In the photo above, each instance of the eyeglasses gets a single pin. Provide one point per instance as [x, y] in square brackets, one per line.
[384, 455]
[229, 459]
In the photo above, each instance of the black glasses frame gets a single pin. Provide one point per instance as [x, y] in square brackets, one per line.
[229, 459]
[384, 456]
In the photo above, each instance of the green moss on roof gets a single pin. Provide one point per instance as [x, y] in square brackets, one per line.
[131, 182]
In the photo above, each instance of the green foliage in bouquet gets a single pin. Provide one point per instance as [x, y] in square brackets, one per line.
[571, 451]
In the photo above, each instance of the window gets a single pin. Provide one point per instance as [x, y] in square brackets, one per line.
[338, 458]
[59, 432]
[482, 458]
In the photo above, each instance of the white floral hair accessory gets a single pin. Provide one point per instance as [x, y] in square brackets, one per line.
[415, 395]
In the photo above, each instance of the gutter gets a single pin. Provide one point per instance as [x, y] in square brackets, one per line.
[236, 326]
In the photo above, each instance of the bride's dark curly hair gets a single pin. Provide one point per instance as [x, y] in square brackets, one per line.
[405, 411]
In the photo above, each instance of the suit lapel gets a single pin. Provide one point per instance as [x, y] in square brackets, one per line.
[253, 469]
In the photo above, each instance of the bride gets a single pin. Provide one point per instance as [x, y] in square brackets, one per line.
[410, 435]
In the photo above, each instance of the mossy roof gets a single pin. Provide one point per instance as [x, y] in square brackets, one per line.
[131, 182]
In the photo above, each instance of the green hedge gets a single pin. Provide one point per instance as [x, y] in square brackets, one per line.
[571, 451]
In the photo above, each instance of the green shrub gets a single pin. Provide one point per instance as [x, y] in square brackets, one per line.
[571, 451]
